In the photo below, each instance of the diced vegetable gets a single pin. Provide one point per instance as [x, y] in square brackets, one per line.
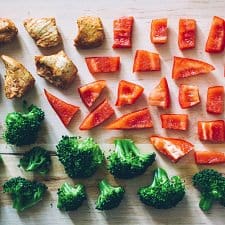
[209, 157]
[174, 121]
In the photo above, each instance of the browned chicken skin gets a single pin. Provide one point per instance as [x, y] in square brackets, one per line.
[8, 30]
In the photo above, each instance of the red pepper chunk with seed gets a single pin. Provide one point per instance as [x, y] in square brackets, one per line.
[174, 121]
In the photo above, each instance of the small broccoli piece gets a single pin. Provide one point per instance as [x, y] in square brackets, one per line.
[211, 184]
[109, 197]
[24, 193]
[70, 197]
[80, 158]
[37, 160]
[22, 127]
[127, 161]
[163, 193]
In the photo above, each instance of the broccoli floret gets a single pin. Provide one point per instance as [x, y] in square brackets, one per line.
[22, 127]
[164, 192]
[127, 161]
[211, 184]
[24, 193]
[37, 160]
[70, 197]
[80, 158]
[109, 197]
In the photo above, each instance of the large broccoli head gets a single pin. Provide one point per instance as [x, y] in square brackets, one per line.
[24, 193]
[127, 161]
[22, 127]
[80, 158]
[163, 193]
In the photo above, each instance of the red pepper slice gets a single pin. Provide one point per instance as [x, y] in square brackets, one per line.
[103, 64]
[209, 157]
[215, 100]
[100, 114]
[128, 93]
[174, 121]
[64, 110]
[89, 93]
[122, 29]
[216, 39]
[159, 33]
[145, 61]
[185, 67]
[134, 120]
[172, 148]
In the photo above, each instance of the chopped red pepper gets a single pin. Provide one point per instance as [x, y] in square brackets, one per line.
[122, 29]
[185, 67]
[216, 39]
[103, 64]
[174, 121]
[188, 96]
[211, 131]
[64, 110]
[134, 120]
[173, 148]
[160, 96]
[145, 61]
[187, 33]
[215, 100]
[89, 93]
[101, 113]
[159, 31]
[128, 93]
[209, 157]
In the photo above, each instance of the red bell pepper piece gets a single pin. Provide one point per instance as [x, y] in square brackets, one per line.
[209, 157]
[128, 93]
[122, 29]
[216, 39]
[187, 33]
[134, 120]
[215, 100]
[64, 110]
[145, 61]
[211, 131]
[185, 67]
[172, 148]
[101, 113]
[188, 96]
[159, 31]
[103, 64]
[160, 96]
[89, 93]
[174, 121]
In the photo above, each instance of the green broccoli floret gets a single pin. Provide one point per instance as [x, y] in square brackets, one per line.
[211, 184]
[80, 158]
[70, 197]
[22, 127]
[164, 192]
[37, 160]
[24, 193]
[109, 197]
[127, 161]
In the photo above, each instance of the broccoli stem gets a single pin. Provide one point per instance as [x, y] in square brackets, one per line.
[206, 203]
[34, 165]
[160, 177]
[104, 186]
[70, 189]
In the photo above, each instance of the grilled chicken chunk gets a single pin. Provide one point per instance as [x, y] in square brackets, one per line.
[43, 31]
[18, 80]
[8, 30]
[91, 33]
[58, 69]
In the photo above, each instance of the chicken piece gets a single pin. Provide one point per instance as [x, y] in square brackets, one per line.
[58, 69]
[8, 30]
[18, 80]
[91, 33]
[43, 31]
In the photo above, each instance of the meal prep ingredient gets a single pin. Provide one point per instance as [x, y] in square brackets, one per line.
[8, 30]
[209, 157]
[174, 121]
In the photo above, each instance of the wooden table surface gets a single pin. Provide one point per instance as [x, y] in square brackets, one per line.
[131, 211]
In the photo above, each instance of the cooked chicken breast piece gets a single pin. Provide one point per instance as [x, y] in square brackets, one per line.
[91, 33]
[18, 80]
[44, 31]
[8, 30]
[58, 69]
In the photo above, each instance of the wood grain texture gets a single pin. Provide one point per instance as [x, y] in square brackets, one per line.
[24, 49]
